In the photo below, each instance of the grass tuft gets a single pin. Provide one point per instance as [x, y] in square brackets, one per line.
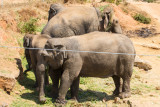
[142, 19]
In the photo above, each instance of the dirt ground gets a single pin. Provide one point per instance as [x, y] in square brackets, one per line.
[151, 78]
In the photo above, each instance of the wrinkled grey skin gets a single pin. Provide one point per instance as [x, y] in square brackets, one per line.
[35, 41]
[76, 20]
[55, 9]
[72, 21]
[75, 64]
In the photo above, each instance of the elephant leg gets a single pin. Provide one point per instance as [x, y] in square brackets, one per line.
[55, 76]
[116, 80]
[40, 70]
[125, 88]
[36, 77]
[126, 83]
[28, 58]
[34, 64]
[75, 88]
[66, 81]
[46, 77]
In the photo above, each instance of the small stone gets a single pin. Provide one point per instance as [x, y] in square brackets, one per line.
[158, 88]
[22, 87]
[4, 105]
[104, 99]
[137, 76]
[142, 64]
[151, 95]
[17, 92]
[117, 100]
[125, 101]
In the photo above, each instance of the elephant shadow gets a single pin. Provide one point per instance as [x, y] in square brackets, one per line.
[34, 95]
[83, 95]
[90, 95]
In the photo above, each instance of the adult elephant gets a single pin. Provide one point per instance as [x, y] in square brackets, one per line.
[77, 20]
[77, 64]
[54, 9]
[105, 18]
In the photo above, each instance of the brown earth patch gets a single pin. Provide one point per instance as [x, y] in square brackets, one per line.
[26, 13]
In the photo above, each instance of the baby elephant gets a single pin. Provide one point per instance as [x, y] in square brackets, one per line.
[89, 64]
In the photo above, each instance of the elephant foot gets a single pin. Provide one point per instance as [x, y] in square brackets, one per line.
[74, 99]
[124, 95]
[42, 99]
[116, 92]
[61, 101]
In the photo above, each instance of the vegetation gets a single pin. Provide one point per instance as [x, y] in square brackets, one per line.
[149, 1]
[142, 19]
[28, 27]
[117, 2]
[103, 7]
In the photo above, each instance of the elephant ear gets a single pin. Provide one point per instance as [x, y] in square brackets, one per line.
[26, 42]
[52, 12]
[60, 49]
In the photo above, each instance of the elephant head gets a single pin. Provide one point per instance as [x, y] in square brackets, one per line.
[54, 55]
[105, 17]
[27, 40]
[54, 9]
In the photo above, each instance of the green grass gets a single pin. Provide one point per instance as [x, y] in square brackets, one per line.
[141, 18]
[103, 7]
[91, 91]
[40, 28]
[28, 27]
[149, 1]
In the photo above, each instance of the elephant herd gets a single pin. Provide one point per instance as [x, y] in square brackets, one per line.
[72, 38]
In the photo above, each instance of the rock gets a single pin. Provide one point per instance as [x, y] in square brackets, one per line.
[117, 100]
[17, 92]
[151, 95]
[7, 84]
[137, 76]
[158, 88]
[130, 103]
[4, 105]
[141, 64]
[153, 46]
[8, 70]
[104, 99]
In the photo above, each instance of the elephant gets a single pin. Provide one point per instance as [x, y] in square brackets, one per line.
[77, 20]
[34, 41]
[26, 52]
[80, 56]
[115, 27]
[55, 9]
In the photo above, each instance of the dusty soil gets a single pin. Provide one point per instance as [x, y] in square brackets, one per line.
[8, 30]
